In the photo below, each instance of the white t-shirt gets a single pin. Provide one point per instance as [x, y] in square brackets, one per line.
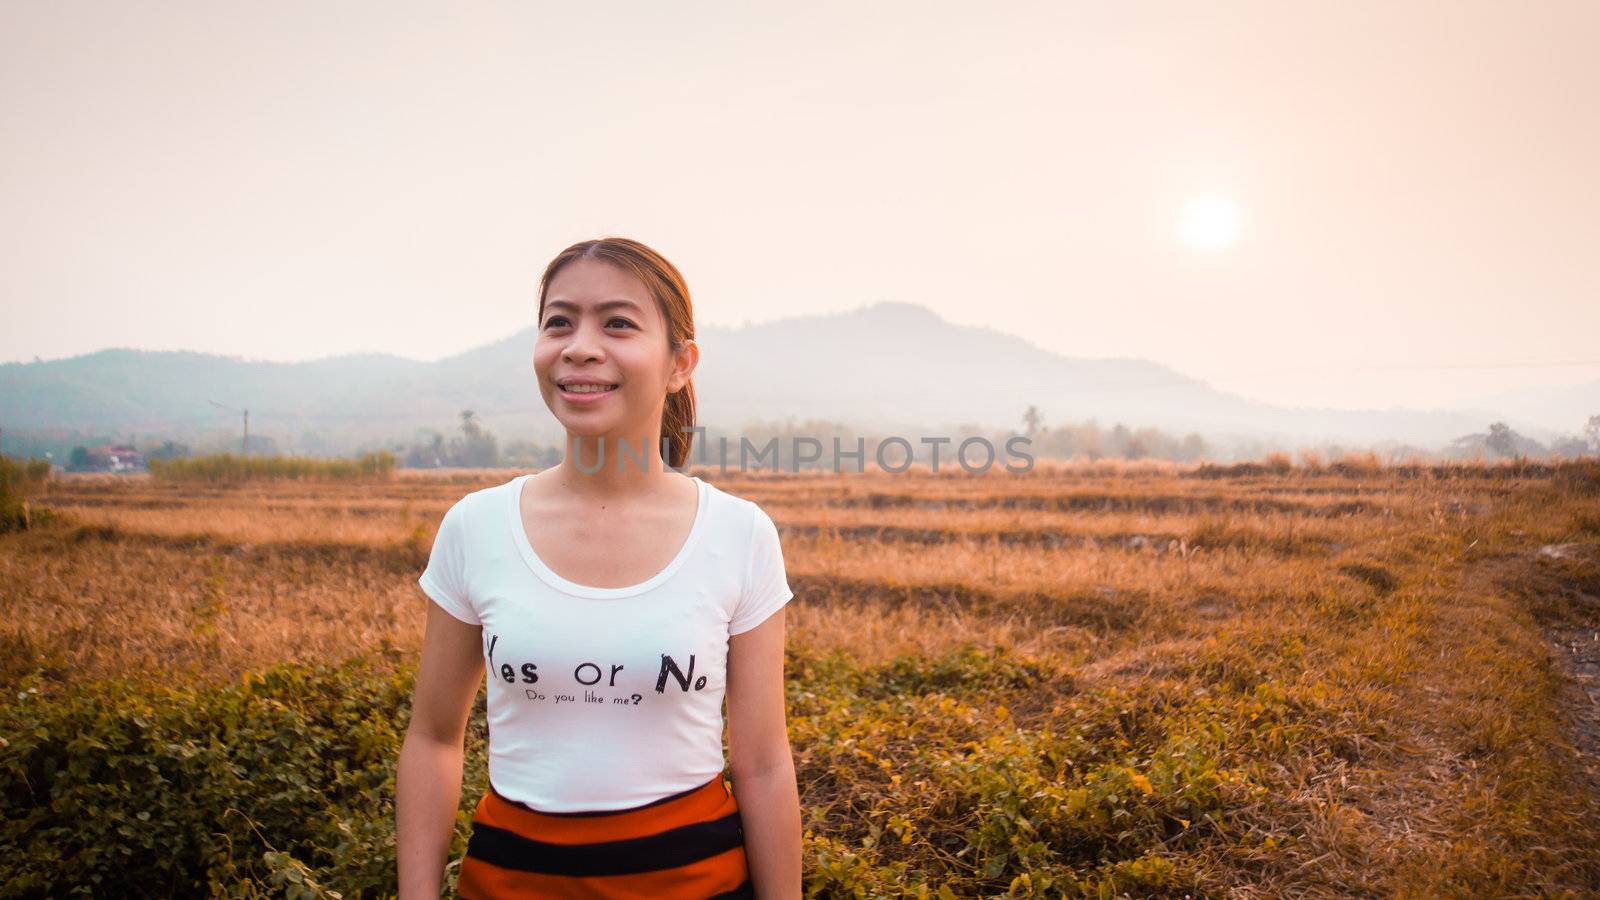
[605, 698]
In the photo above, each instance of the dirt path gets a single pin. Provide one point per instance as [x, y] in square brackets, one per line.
[1569, 576]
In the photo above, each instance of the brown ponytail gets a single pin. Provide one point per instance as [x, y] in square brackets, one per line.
[677, 415]
[667, 285]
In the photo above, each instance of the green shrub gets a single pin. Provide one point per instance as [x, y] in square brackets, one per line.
[965, 668]
[935, 788]
[283, 782]
[919, 777]
[226, 467]
[18, 478]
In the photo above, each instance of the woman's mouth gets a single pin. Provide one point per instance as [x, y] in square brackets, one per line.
[585, 393]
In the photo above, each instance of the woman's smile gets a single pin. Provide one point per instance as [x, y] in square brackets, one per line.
[585, 394]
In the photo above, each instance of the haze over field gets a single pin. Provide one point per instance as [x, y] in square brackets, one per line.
[1349, 206]
[885, 368]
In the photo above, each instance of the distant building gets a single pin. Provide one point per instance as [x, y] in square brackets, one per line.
[119, 457]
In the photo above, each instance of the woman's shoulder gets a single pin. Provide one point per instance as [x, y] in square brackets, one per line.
[486, 500]
[726, 499]
[740, 515]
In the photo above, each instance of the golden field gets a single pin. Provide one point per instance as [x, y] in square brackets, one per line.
[1095, 679]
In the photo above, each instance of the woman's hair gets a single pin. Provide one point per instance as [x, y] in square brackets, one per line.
[666, 284]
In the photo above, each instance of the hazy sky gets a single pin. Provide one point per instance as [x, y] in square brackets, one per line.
[1312, 203]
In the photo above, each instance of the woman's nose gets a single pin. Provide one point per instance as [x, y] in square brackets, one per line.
[582, 344]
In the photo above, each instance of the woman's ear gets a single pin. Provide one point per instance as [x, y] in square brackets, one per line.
[684, 362]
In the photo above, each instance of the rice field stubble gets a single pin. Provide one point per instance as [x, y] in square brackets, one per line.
[1086, 681]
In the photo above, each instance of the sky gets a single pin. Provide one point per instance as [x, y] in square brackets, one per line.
[1354, 204]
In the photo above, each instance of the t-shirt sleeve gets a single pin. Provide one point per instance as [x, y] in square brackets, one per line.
[445, 578]
[766, 584]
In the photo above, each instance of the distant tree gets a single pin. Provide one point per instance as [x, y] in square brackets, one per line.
[1087, 440]
[476, 447]
[529, 454]
[89, 458]
[1591, 433]
[1033, 420]
[312, 443]
[520, 453]
[167, 450]
[1569, 447]
[263, 445]
[427, 452]
[1119, 437]
[1501, 440]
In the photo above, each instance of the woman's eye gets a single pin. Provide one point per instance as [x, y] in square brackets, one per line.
[561, 321]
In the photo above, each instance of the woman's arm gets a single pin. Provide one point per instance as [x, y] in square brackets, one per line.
[428, 779]
[763, 765]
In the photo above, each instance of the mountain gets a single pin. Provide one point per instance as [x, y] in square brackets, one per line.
[890, 366]
[901, 363]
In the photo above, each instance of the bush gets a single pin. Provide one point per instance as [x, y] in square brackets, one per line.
[227, 467]
[1580, 477]
[283, 779]
[17, 480]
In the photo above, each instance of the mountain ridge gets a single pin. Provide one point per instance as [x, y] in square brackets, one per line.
[888, 364]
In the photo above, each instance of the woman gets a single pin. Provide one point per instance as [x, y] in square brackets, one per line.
[614, 603]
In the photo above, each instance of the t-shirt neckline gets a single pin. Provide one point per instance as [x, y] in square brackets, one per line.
[519, 535]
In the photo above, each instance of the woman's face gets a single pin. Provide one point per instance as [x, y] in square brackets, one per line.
[601, 356]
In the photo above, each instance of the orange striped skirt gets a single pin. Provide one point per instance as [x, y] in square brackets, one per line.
[687, 845]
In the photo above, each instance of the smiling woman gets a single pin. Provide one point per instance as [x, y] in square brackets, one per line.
[614, 608]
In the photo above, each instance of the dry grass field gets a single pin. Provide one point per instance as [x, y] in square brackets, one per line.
[1093, 680]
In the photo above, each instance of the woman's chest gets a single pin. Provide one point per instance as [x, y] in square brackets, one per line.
[611, 545]
[607, 554]
[669, 641]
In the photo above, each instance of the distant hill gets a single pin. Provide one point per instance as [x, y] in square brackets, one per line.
[900, 362]
[887, 365]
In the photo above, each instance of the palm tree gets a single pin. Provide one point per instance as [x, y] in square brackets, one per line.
[1033, 420]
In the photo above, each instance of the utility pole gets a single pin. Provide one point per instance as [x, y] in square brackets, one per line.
[245, 446]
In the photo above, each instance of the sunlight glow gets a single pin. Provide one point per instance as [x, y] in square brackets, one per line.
[1209, 223]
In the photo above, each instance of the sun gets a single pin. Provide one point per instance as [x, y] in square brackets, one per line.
[1209, 223]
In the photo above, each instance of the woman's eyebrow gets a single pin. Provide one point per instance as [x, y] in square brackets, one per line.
[608, 304]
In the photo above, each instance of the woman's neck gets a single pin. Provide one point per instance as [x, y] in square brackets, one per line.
[609, 466]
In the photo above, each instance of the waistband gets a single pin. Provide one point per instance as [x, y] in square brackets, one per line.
[608, 812]
[688, 844]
